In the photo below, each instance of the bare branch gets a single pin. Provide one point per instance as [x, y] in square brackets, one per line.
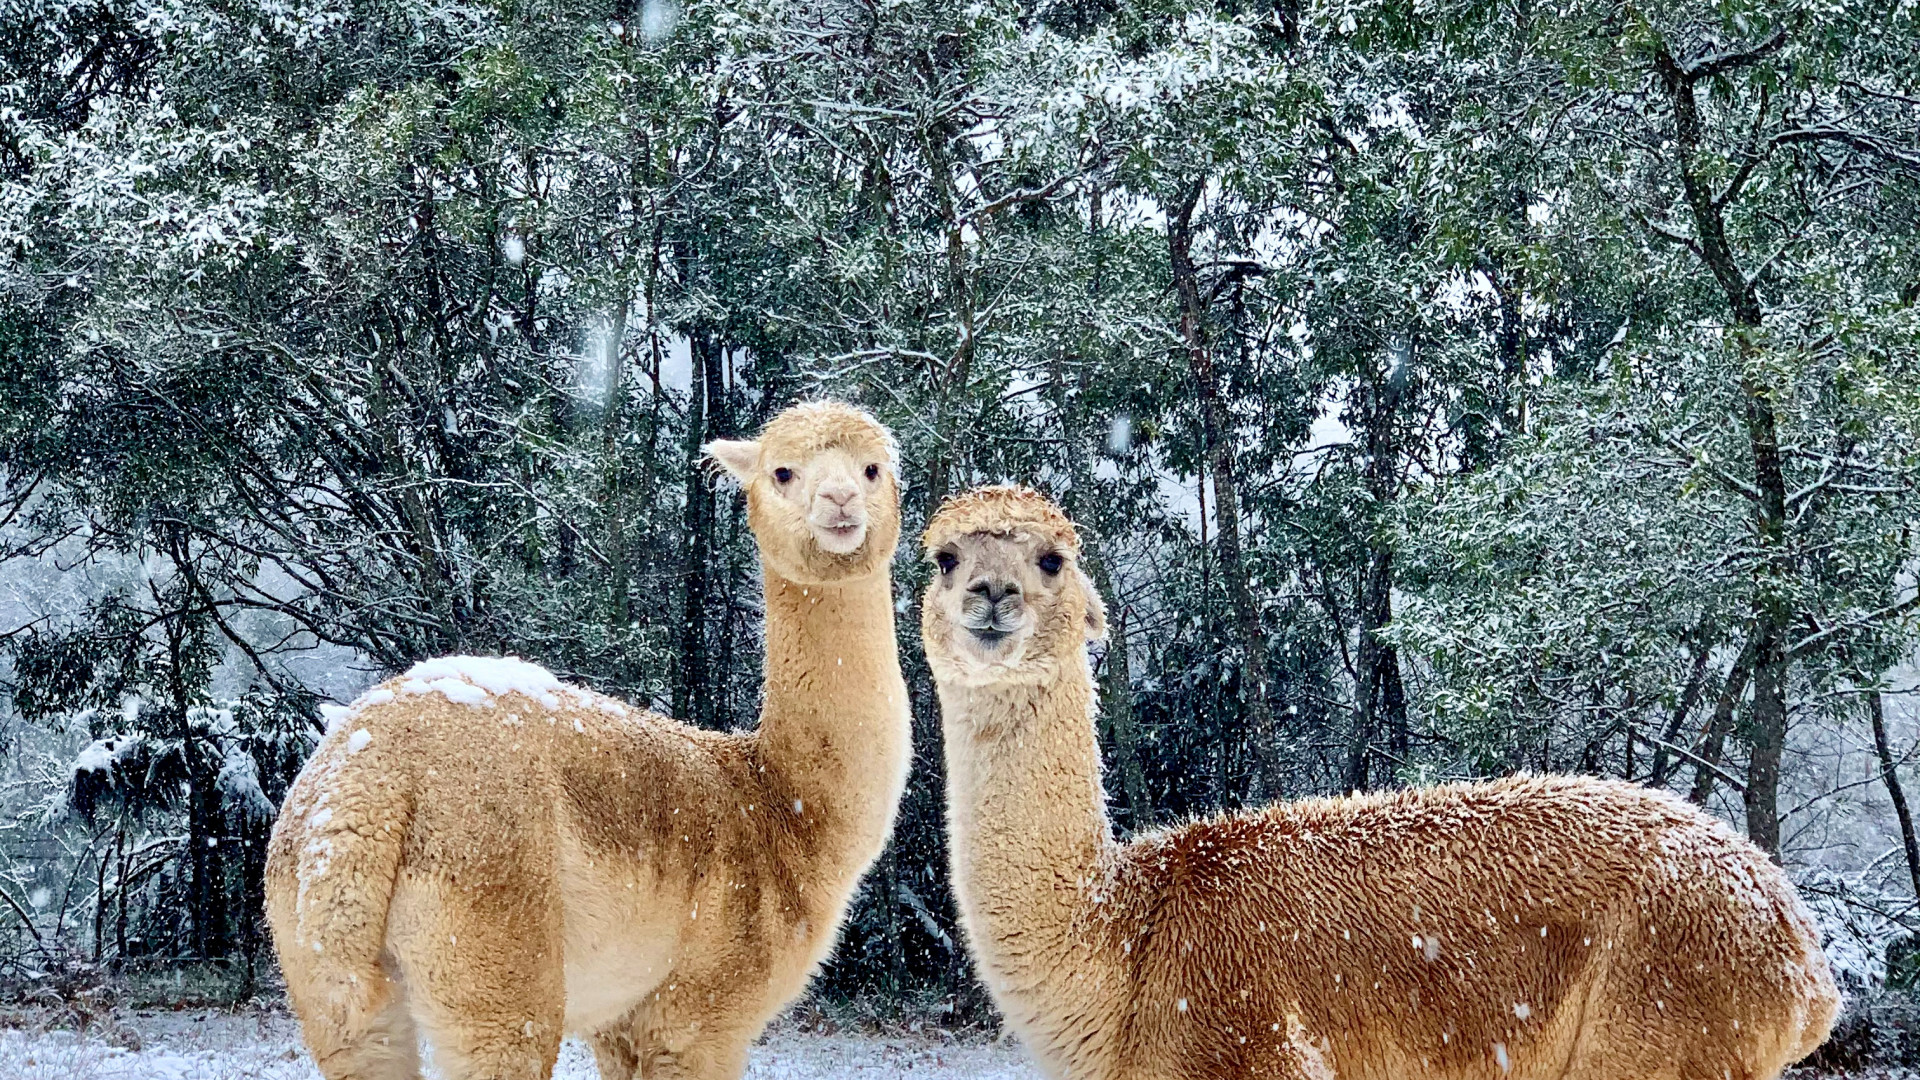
[1820, 637]
[1725, 60]
[1699, 460]
[1860, 141]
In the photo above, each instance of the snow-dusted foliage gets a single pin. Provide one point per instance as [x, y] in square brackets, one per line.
[1440, 393]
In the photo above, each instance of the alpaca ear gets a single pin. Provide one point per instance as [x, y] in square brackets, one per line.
[1096, 610]
[741, 459]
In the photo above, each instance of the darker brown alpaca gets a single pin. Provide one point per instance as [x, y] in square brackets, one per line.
[1558, 928]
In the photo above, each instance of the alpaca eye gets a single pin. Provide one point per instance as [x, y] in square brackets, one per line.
[946, 562]
[873, 472]
[783, 475]
[1051, 562]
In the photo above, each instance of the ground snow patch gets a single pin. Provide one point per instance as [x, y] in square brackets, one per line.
[223, 1046]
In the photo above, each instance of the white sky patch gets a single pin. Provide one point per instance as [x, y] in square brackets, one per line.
[676, 364]
[659, 19]
[596, 371]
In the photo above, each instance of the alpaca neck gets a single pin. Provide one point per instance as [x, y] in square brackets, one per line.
[1030, 835]
[833, 729]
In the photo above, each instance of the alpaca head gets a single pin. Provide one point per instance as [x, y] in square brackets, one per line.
[1009, 602]
[823, 493]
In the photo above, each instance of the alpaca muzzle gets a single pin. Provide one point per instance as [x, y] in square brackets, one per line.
[991, 614]
[839, 528]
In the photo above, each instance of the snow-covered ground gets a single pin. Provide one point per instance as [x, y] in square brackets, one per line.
[215, 1045]
[222, 1046]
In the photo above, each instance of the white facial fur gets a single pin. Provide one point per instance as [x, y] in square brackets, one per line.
[828, 489]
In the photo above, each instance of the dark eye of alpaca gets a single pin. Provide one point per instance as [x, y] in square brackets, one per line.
[1051, 562]
[783, 475]
[873, 472]
[946, 561]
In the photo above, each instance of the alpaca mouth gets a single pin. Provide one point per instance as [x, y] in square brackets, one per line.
[841, 537]
[990, 636]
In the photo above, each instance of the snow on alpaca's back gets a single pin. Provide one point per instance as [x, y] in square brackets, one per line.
[478, 680]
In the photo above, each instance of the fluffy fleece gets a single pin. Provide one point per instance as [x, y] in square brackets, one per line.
[1545, 926]
[483, 854]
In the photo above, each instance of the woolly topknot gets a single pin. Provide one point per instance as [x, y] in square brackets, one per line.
[816, 425]
[1001, 510]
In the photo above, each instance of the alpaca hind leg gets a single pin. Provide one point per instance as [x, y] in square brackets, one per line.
[698, 1036]
[615, 1056]
[492, 1033]
[490, 1027]
[486, 983]
[386, 1048]
[704, 1059]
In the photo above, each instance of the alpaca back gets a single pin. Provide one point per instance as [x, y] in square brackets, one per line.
[1527, 927]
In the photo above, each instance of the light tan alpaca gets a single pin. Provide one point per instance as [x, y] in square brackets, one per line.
[485, 855]
[1550, 927]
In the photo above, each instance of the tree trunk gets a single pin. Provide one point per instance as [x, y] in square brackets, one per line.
[1504, 412]
[207, 896]
[1218, 436]
[1382, 696]
[1116, 704]
[120, 894]
[1766, 739]
[1713, 737]
[1689, 700]
[100, 894]
[936, 142]
[691, 677]
[1877, 713]
[613, 461]
[1767, 724]
[1116, 678]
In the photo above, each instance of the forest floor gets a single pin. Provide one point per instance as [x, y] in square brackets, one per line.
[264, 1044]
[212, 1044]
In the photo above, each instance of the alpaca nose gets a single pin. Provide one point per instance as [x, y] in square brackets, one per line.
[838, 492]
[994, 591]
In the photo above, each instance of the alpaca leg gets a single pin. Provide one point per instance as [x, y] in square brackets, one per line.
[697, 1033]
[710, 1058]
[387, 1048]
[485, 980]
[613, 1052]
[492, 1030]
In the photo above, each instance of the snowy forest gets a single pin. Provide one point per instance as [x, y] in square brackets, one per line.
[1445, 389]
